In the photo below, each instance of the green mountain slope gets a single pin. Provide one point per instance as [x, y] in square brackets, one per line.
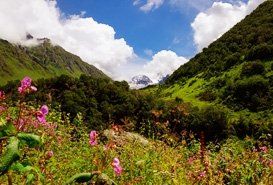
[42, 61]
[234, 73]
[229, 50]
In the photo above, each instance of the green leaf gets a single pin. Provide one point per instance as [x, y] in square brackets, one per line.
[21, 168]
[104, 179]
[80, 178]
[31, 140]
[10, 156]
[6, 128]
[2, 122]
[30, 178]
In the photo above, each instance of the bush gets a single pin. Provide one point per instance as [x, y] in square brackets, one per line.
[252, 93]
[232, 60]
[212, 121]
[262, 52]
[253, 68]
[207, 95]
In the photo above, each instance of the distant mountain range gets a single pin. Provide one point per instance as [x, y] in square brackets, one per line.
[42, 61]
[140, 81]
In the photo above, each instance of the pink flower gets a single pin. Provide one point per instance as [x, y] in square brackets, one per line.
[50, 154]
[264, 149]
[21, 124]
[116, 165]
[93, 138]
[41, 115]
[202, 174]
[26, 86]
[190, 160]
[2, 109]
[270, 162]
[2, 95]
[34, 89]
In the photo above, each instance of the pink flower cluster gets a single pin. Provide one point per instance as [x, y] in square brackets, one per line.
[41, 115]
[93, 141]
[26, 86]
[116, 165]
[264, 149]
[93, 138]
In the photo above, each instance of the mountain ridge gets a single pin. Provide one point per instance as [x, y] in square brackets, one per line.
[232, 45]
[42, 61]
[235, 72]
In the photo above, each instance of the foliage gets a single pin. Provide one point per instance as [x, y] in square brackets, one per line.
[261, 51]
[15, 122]
[253, 68]
[252, 93]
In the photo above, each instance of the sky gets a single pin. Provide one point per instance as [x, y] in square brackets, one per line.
[124, 38]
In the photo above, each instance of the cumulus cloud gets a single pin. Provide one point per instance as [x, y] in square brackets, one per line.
[199, 5]
[94, 42]
[211, 24]
[148, 52]
[149, 5]
[163, 63]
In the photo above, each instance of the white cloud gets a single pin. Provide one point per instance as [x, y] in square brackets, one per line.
[163, 63]
[182, 5]
[211, 24]
[148, 52]
[94, 42]
[136, 2]
[149, 5]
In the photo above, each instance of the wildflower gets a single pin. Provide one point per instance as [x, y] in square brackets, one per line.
[264, 149]
[2, 108]
[50, 154]
[271, 163]
[93, 138]
[191, 160]
[42, 114]
[21, 124]
[2, 95]
[26, 86]
[110, 145]
[116, 165]
[202, 174]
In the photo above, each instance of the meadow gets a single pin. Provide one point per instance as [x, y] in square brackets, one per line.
[42, 146]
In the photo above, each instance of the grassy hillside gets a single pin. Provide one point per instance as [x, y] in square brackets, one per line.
[234, 74]
[42, 61]
[234, 71]
[234, 47]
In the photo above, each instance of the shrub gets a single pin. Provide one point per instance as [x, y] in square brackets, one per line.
[253, 68]
[251, 93]
[232, 60]
[207, 95]
[262, 52]
[212, 121]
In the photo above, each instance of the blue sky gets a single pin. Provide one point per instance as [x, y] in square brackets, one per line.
[164, 28]
[124, 38]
